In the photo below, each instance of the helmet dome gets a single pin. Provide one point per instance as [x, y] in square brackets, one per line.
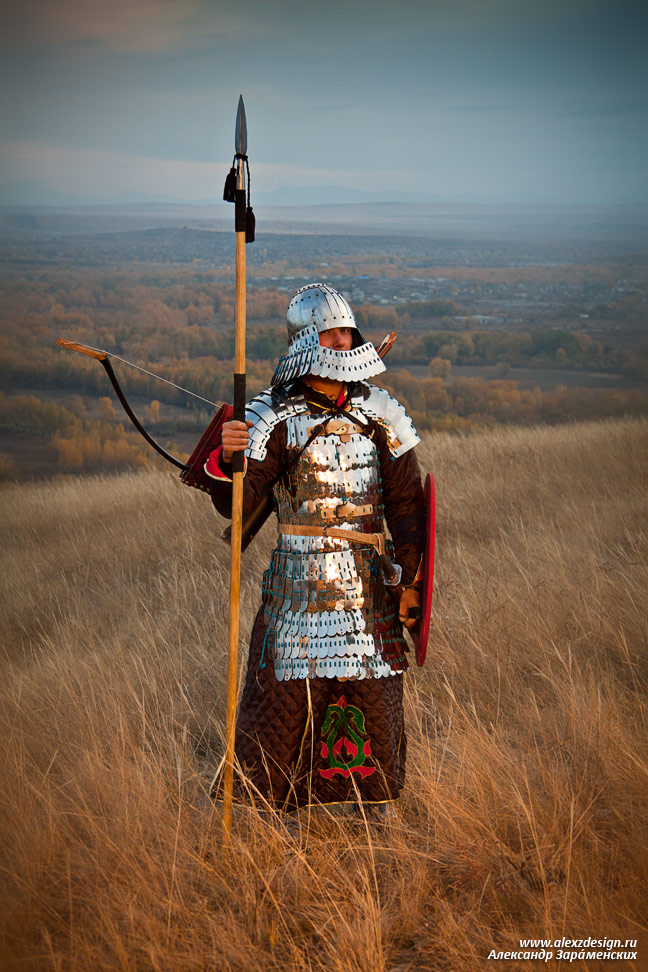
[318, 304]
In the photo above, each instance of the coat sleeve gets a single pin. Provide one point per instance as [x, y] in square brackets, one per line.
[258, 476]
[404, 506]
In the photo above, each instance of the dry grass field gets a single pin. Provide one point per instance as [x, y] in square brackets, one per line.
[525, 811]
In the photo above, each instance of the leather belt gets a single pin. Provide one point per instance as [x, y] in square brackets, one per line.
[376, 540]
[345, 511]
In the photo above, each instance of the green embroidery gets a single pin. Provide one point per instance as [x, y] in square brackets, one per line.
[343, 729]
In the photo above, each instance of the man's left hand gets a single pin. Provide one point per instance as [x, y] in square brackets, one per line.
[410, 598]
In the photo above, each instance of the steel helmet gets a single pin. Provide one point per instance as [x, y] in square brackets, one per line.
[313, 309]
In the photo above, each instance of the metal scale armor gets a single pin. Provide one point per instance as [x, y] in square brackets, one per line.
[318, 592]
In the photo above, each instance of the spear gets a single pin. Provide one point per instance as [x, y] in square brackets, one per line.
[235, 191]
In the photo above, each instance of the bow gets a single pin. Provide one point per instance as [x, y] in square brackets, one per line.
[104, 358]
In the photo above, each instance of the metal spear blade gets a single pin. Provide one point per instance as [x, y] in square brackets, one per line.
[240, 135]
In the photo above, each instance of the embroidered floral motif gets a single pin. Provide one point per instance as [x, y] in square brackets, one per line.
[343, 729]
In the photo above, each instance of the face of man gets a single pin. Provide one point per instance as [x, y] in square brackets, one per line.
[337, 338]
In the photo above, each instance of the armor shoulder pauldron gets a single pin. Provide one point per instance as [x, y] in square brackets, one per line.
[267, 410]
[377, 404]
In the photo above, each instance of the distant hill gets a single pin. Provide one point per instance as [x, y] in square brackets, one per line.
[456, 220]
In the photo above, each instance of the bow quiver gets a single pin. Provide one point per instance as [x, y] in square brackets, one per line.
[195, 475]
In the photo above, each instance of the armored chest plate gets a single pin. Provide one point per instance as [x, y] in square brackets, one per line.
[319, 591]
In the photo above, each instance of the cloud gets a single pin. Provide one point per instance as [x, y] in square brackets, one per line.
[156, 26]
[98, 172]
[130, 26]
[486, 108]
[102, 173]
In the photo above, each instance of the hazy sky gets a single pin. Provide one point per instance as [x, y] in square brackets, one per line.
[117, 100]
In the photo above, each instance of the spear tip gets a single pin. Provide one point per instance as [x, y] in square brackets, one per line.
[240, 134]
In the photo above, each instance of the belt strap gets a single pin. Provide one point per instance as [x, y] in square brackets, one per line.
[376, 540]
[345, 511]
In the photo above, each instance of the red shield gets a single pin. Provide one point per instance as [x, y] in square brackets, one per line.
[422, 630]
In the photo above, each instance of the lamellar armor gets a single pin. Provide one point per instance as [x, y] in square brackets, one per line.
[319, 592]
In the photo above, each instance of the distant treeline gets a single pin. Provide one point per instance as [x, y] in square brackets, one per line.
[179, 325]
[461, 405]
[181, 317]
[81, 444]
[468, 404]
[543, 348]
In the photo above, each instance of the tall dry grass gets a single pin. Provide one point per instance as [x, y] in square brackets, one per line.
[525, 810]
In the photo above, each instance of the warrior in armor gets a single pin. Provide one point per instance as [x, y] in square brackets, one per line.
[321, 715]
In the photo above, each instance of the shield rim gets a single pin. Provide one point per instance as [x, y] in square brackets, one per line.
[423, 629]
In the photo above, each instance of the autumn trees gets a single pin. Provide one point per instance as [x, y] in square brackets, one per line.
[176, 321]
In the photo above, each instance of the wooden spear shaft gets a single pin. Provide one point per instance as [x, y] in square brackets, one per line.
[237, 505]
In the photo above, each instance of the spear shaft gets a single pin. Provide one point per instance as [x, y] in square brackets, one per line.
[238, 464]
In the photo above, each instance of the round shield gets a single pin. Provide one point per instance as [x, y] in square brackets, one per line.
[422, 630]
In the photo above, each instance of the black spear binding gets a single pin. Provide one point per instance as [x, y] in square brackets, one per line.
[244, 219]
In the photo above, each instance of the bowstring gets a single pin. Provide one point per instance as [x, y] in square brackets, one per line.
[151, 374]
